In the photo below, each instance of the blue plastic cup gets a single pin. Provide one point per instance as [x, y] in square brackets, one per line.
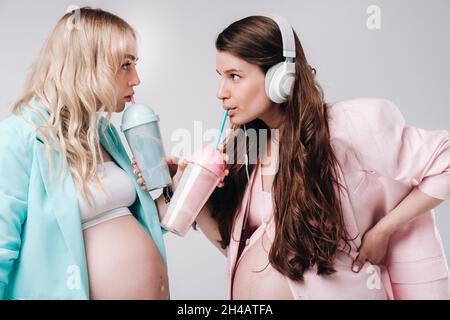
[141, 129]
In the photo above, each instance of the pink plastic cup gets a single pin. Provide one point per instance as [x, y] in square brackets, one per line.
[204, 171]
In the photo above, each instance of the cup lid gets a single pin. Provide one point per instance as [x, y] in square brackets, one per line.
[210, 159]
[136, 115]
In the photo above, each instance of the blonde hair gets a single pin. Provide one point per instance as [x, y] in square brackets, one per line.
[74, 77]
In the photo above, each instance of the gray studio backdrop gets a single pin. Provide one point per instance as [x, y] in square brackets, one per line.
[403, 56]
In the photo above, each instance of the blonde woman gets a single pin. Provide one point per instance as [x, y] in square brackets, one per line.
[73, 224]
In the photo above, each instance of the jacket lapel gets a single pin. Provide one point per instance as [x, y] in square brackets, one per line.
[61, 195]
[236, 232]
[118, 154]
[62, 201]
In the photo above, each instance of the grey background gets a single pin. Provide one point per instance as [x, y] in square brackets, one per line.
[405, 61]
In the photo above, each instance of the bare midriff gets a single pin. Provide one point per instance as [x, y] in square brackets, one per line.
[124, 262]
[254, 277]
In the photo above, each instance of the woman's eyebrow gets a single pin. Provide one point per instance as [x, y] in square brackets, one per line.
[132, 57]
[231, 71]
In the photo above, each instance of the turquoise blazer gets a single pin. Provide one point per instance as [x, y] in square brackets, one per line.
[41, 239]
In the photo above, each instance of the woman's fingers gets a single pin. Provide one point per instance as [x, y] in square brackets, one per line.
[221, 182]
[136, 169]
[141, 182]
[359, 262]
[361, 258]
[182, 164]
[176, 167]
[137, 172]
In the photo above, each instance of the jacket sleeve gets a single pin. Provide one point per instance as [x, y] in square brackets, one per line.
[414, 157]
[14, 181]
[384, 144]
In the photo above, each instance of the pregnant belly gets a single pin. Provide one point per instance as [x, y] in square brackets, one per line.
[124, 262]
[255, 278]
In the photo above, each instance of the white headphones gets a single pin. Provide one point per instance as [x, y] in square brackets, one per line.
[280, 77]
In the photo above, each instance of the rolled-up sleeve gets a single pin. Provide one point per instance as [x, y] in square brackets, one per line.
[14, 180]
[383, 143]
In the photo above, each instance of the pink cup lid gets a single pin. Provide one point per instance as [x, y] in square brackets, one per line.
[210, 159]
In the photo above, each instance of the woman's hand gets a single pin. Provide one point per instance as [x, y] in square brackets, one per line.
[375, 243]
[137, 172]
[176, 169]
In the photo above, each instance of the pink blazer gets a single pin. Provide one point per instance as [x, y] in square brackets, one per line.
[381, 161]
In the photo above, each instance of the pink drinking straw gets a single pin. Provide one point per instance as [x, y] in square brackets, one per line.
[132, 100]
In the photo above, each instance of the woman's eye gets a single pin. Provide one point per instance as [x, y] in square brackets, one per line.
[126, 66]
[235, 77]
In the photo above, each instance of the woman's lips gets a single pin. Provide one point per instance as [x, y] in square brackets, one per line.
[128, 98]
[231, 111]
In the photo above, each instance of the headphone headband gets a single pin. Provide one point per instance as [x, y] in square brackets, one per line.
[281, 76]
[287, 35]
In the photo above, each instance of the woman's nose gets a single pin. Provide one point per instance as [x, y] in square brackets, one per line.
[223, 92]
[135, 81]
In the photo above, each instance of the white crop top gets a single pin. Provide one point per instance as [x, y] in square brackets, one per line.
[120, 191]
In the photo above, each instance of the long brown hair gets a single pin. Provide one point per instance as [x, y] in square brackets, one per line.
[308, 214]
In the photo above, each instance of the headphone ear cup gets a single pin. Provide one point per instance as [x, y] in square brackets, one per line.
[272, 84]
[279, 80]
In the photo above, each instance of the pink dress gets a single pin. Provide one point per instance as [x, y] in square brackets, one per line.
[381, 161]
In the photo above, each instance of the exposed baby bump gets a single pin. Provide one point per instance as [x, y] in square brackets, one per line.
[123, 262]
[255, 278]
